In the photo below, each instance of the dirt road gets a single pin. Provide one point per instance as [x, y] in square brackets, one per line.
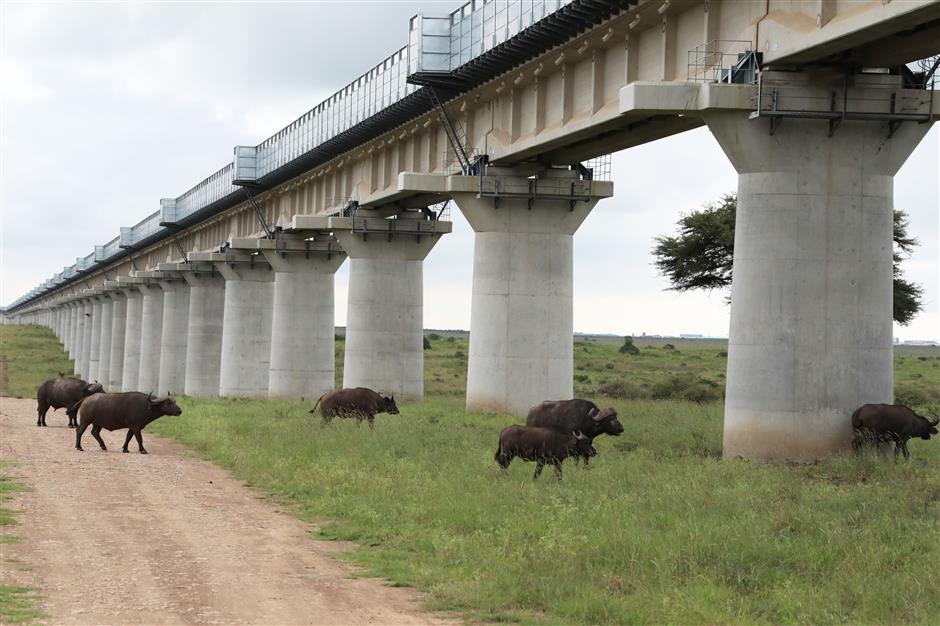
[164, 538]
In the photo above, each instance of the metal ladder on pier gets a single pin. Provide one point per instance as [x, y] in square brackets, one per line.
[456, 137]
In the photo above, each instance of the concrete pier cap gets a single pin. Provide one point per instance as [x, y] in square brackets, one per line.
[811, 310]
[206, 310]
[246, 321]
[385, 315]
[304, 261]
[521, 317]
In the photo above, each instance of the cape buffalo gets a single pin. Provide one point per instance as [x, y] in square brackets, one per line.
[542, 445]
[113, 411]
[358, 402]
[569, 416]
[62, 392]
[880, 423]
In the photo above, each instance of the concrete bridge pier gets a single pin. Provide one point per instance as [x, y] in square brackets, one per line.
[385, 316]
[84, 346]
[94, 347]
[811, 309]
[174, 339]
[203, 327]
[151, 332]
[132, 333]
[75, 312]
[104, 337]
[246, 322]
[67, 328]
[303, 317]
[521, 316]
[116, 342]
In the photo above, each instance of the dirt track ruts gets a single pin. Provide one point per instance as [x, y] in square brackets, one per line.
[165, 538]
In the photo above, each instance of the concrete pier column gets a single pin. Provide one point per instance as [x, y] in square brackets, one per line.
[175, 335]
[521, 315]
[385, 314]
[78, 308]
[204, 329]
[132, 327]
[151, 334]
[246, 324]
[94, 348]
[104, 342]
[84, 348]
[69, 318]
[811, 297]
[303, 323]
[118, 329]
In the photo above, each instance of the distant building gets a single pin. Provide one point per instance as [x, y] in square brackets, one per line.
[689, 336]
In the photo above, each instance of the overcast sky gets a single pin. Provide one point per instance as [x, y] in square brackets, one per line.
[106, 108]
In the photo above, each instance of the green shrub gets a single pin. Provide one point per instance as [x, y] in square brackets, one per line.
[687, 387]
[434, 337]
[581, 378]
[622, 390]
[427, 343]
[669, 346]
[628, 347]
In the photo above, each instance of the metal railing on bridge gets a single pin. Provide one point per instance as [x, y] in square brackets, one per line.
[377, 100]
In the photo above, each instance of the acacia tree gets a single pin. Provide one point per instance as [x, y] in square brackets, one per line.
[700, 255]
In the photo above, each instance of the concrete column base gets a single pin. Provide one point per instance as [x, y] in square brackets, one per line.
[811, 306]
[521, 316]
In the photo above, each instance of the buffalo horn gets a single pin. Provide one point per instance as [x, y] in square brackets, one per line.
[579, 435]
[592, 412]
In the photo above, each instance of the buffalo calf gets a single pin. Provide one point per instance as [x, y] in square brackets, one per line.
[113, 411]
[542, 445]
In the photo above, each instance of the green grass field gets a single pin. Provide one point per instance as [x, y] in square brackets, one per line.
[659, 530]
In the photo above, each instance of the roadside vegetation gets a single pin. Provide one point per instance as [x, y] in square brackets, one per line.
[17, 604]
[30, 355]
[659, 529]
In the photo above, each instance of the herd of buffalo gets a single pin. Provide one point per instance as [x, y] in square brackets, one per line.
[554, 430]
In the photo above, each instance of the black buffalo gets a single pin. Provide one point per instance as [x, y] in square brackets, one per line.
[542, 445]
[62, 392]
[359, 402]
[113, 411]
[882, 423]
[570, 416]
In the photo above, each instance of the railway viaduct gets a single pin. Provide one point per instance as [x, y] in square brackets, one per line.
[499, 108]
